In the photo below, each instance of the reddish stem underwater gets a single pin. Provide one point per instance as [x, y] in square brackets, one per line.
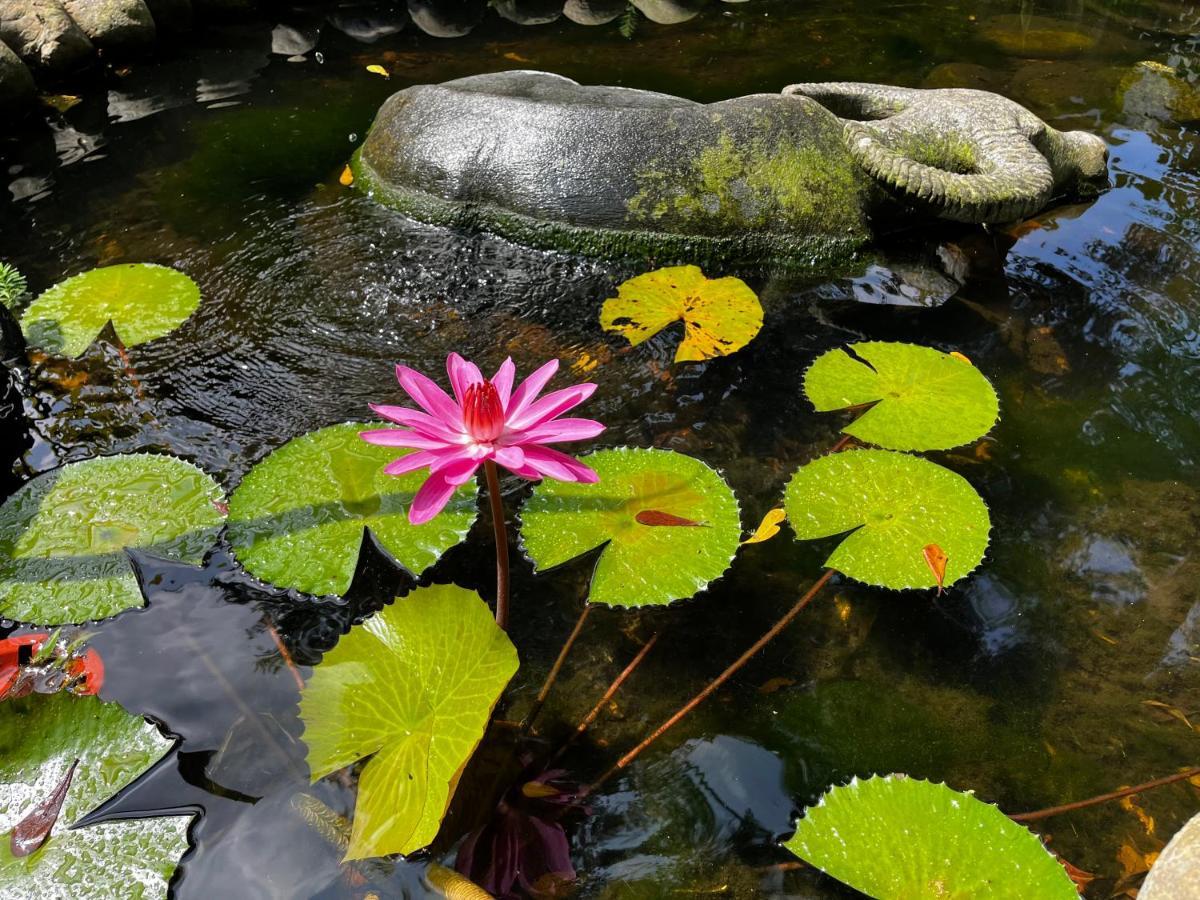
[501, 532]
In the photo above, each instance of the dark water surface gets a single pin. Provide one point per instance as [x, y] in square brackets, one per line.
[1028, 683]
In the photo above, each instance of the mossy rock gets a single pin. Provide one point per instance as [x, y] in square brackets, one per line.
[1152, 90]
[1035, 37]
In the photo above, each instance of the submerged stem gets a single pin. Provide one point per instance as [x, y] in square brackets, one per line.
[555, 669]
[1039, 814]
[501, 531]
[608, 695]
[716, 683]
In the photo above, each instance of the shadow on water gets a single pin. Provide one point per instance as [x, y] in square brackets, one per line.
[1048, 676]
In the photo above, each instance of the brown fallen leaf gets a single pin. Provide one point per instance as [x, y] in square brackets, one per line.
[33, 830]
[1172, 711]
[772, 685]
[936, 559]
[1081, 878]
[1134, 862]
[1129, 804]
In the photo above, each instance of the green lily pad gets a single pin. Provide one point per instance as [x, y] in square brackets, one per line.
[668, 523]
[413, 687]
[297, 518]
[40, 736]
[924, 399]
[896, 838]
[63, 535]
[142, 300]
[894, 506]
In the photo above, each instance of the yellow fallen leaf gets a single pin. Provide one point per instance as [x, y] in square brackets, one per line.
[720, 316]
[1133, 862]
[347, 177]
[1130, 805]
[1171, 711]
[768, 527]
[517, 57]
[379, 70]
[536, 789]
[61, 102]
[771, 685]
[961, 357]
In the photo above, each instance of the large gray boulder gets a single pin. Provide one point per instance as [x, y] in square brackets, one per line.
[594, 12]
[44, 35]
[807, 177]
[16, 83]
[1175, 875]
[113, 24]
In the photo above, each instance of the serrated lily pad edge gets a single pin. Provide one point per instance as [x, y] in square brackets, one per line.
[134, 564]
[599, 549]
[841, 537]
[845, 348]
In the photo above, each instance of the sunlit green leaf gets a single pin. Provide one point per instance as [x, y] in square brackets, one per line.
[891, 506]
[63, 535]
[898, 838]
[40, 736]
[297, 518]
[413, 688]
[12, 284]
[923, 399]
[142, 300]
[720, 316]
[642, 563]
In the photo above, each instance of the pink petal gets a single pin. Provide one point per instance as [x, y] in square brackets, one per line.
[530, 388]
[430, 500]
[462, 374]
[429, 396]
[426, 425]
[503, 381]
[550, 406]
[558, 430]
[557, 465]
[528, 473]
[401, 437]
[410, 463]
[512, 458]
[457, 471]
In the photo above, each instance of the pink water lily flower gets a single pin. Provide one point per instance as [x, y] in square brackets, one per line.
[484, 421]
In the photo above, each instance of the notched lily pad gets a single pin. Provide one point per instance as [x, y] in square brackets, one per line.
[297, 518]
[922, 399]
[892, 507]
[895, 838]
[143, 301]
[63, 535]
[668, 523]
[720, 316]
[40, 737]
[413, 687]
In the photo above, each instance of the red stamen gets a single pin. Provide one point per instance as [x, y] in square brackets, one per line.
[483, 413]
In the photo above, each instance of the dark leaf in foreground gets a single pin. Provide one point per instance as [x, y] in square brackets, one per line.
[31, 832]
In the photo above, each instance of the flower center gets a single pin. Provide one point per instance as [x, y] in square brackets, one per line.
[483, 413]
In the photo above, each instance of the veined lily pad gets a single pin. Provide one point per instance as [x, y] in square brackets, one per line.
[63, 535]
[668, 523]
[40, 736]
[414, 685]
[894, 506]
[142, 300]
[297, 518]
[895, 838]
[923, 399]
[720, 316]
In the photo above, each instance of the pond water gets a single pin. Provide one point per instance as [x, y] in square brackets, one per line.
[1049, 676]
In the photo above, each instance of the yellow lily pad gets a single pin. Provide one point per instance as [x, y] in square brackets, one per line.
[720, 315]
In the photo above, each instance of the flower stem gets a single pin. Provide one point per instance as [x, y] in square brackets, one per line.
[1037, 815]
[715, 684]
[555, 670]
[501, 530]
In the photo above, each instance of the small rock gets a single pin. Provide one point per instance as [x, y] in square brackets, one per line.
[113, 24]
[529, 12]
[16, 83]
[594, 12]
[669, 12]
[287, 40]
[439, 20]
[368, 25]
[1158, 92]
[963, 75]
[1038, 37]
[44, 35]
[1175, 875]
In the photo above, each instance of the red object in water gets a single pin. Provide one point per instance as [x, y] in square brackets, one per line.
[86, 669]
